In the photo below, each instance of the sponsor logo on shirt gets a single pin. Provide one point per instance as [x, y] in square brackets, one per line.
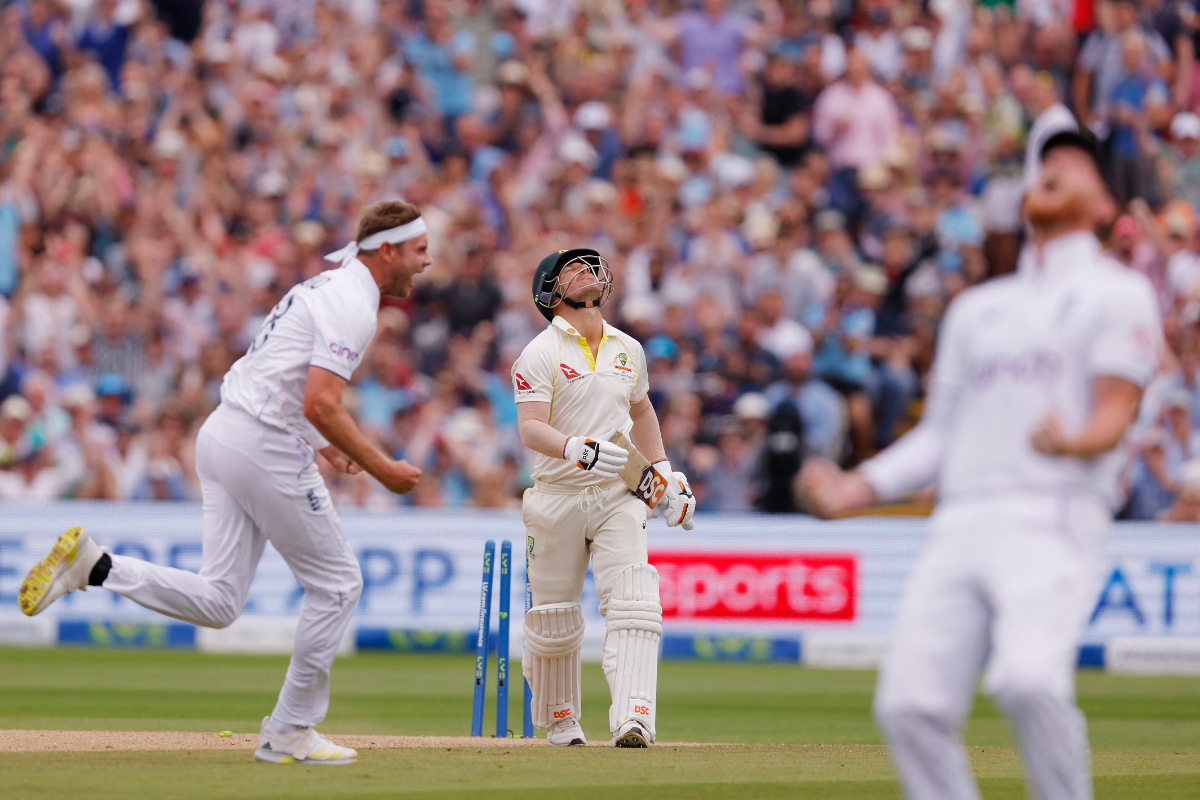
[570, 373]
[342, 350]
[622, 362]
[522, 384]
[1032, 366]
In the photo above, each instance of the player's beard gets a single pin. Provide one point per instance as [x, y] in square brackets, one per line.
[1053, 209]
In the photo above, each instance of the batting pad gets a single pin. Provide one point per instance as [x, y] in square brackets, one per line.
[550, 662]
[633, 628]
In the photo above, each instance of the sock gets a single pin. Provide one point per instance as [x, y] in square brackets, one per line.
[100, 571]
[281, 728]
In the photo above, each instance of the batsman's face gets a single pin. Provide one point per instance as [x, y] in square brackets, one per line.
[405, 261]
[579, 282]
[1069, 190]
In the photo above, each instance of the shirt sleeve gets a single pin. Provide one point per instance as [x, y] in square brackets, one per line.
[915, 460]
[1127, 340]
[340, 335]
[533, 373]
[642, 386]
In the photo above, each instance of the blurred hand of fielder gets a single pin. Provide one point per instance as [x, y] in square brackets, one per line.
[830, 490]
[1114, 408]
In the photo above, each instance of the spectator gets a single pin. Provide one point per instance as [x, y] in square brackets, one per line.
[713, 39]
[735, 164]
[1136, 100]
[855, 120]
[1178, 165]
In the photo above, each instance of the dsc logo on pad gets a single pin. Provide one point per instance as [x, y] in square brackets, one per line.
[563, 714]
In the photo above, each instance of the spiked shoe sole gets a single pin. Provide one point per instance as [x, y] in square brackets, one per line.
[34, 587]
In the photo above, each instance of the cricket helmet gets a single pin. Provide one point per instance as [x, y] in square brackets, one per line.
[547, 293]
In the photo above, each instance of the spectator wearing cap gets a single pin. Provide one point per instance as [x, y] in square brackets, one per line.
[113, 397]
[855, 120]
[1186, 507]
[780, 335]
[1178, 164]
[1153, 480]
[1179, 248]
[15, 414]
[917, 65]
[595, 121]
[817, 406]
[48, 423]
[878, 39]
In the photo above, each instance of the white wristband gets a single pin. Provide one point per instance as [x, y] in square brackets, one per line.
[663, 467]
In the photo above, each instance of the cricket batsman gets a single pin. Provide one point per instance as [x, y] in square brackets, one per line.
[577, 384]
[1037, 378]
[281, 403]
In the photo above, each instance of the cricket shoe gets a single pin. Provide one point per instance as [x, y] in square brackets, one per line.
[302, 746]
[64, 570]
[632, 733]
[565, 733]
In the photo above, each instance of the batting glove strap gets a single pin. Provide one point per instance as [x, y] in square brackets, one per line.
[681, 503]
[604, 458]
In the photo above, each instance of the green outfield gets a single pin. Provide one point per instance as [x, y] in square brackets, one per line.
[787, 732]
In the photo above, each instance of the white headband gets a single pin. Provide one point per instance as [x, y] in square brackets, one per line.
[409, 230]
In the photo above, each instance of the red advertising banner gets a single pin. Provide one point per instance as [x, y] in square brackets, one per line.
[757, 586]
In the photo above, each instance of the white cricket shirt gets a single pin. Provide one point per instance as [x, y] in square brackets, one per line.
[326, 322]
[1010, 351]
[588, 396]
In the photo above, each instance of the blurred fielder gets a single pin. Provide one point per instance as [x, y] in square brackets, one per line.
[256, 456]
[577, 384]
[1038, 377]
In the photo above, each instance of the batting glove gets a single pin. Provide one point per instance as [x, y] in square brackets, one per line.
[602, 457]
[680, 503]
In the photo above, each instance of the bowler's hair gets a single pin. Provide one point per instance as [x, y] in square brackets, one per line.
[385, 215]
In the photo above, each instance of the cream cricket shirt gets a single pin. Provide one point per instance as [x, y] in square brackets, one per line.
[588, 396]
[326, 322]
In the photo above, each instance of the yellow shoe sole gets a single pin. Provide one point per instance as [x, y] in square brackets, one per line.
[34, 587]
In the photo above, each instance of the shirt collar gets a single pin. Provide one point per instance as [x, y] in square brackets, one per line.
[571, 330]
[1060, 256]
[363, 274]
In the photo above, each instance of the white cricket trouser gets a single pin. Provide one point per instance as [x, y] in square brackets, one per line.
[260, 484]
[1008, 581]
[566, 527]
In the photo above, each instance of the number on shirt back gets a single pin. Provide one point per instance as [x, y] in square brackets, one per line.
[282, 307]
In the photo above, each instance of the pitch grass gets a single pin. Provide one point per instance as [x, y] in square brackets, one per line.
[1145, 732]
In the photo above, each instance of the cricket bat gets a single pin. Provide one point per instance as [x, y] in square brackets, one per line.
[641, 478]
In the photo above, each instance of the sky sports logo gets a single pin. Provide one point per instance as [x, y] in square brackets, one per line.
[766, 586]
[340, 350]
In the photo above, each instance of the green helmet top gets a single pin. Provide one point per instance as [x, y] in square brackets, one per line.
[545, 278]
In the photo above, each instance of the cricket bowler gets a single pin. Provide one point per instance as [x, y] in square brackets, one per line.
[1037, 378]
[281, 403]
[578, 384]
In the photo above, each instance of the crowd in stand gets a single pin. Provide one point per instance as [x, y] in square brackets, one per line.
[789, 193]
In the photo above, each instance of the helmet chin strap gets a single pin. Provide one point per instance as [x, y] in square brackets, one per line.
[584, 304]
